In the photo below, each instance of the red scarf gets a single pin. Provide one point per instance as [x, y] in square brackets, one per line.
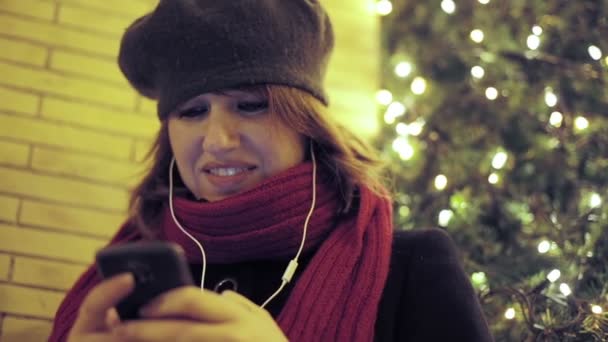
[336, 297]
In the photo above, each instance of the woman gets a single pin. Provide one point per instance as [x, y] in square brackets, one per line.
[250, 176]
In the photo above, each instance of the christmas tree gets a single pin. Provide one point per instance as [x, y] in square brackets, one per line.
[496, 129]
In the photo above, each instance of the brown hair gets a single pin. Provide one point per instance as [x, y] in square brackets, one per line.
[350, 161]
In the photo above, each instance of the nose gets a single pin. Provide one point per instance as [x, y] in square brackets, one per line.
[221, 132]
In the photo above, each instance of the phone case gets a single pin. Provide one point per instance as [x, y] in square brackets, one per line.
[156, 266]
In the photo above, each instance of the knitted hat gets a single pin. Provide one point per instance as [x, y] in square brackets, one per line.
[188, 47]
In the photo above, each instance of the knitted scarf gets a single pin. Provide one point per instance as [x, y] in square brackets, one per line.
[336, 297]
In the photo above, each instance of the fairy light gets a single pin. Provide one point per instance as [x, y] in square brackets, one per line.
[394, 110]
[596, 309]
[500, 160]
[479, 278]
[565, 289]
[595, 201]
[595, 52]
[477, 36]
[510, 313]
[418, 85]
[478, 72]
[404, 211]
[581, 123]
[441, 182]
[533, 42]
[445, 216]
[448, 6]
[384, 97]
[384, 7]
[556, 119]
[491, 93]
[544, 247]
[554, 275]
[537, 30]
[416, 127]
[402, 146]
[403, 69]
[493, 178]
[550, 97]
[484, 2]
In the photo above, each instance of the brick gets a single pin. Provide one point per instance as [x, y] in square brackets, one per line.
[16, 329]
[70, 219]
[17, 101]
[64, 85]
[61, 135]
[26, 301]
[5, 265]
[102, 68]
[94, 19]
[31, 8]
[59, 36]
[85, 166]
[142, 147]
[22, 52]
[133, 7]
[100, 118]
[8, 208]
[44, 273]
[46, 244]
[13, 153]
[68, 191]
[148, 106]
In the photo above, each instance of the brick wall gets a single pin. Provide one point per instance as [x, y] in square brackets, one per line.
[72, 132]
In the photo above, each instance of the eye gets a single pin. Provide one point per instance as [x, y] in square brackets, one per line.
[193, 112]
[253, 107]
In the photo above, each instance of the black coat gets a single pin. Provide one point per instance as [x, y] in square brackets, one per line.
[428, 297]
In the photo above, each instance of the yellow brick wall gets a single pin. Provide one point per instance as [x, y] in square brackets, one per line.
[72, 132]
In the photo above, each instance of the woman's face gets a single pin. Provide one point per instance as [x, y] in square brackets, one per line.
[226, 143]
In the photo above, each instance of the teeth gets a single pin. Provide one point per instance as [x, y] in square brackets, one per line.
[229, 171]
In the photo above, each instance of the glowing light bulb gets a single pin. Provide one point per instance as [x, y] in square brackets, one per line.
[394, 110]
[550, 97]
[533, 42]
[403, 69]
[402, 146]
[416, 127]
[477, 36]
[484, 2]
[479, 278]
[404, 211]
[510, 313]
[537, 30]
[478, 72]
[581, 123]
[441, 181]
[596, 309]
[418, 86]
[401, 129]
[448, 6]
[595, 52]
[384, 7]
[595, 201]
[384, 97]
[493, 178]
[491, 93]
[544, 247]
[554, 275]
[556, 119]
[499, 160]
[445, 216]
[565, 289]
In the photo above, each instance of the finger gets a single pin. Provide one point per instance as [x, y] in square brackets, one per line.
[94, 308]
[192, 303]
[174, 330]
[241, 300]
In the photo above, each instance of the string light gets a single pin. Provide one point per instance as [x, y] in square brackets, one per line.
[384, 7]
[384, 97]
[510, 313]
[554, 275]
[403, 69]
[394, 110]
[596, 309]
[479, 278]
[500, 160]
[448, 6]
[556, 119]
[544, 246]
[477, 36]
[418, 85]
[404, 211]
[445, 216]
[402, 146]
[581, 123]
[595, 201]
[484, 2]
[493, 178]
[491, 93]
[550, 97]
[533, 42]
[595, 52]
[537, 30]
[441, 182]
[565, 289]
[478, 72]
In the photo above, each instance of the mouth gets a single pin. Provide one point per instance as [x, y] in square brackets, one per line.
[228, 171]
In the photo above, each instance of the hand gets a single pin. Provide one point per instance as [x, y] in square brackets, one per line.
[189, 314]
[97, 314]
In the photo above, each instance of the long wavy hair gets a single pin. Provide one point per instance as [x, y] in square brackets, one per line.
[350, 161]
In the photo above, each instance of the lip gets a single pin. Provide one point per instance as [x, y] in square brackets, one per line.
[227, 182]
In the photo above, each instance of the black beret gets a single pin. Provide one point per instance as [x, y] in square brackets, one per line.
[188, 47]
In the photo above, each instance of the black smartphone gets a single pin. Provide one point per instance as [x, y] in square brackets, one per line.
[156, 266]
